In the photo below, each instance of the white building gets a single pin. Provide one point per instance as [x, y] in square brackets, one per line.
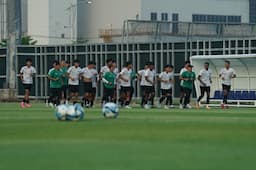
[110, 14]
[52, 21]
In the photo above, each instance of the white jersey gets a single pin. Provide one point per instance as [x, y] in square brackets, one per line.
[104, 69]
[206, 76]
[142, 75]
[126, 74]
[75, 74]
[166, 77]
[27, 73]
[151, 76]
[94, 77]
[86, 73]
[181, 72]
[226, 75]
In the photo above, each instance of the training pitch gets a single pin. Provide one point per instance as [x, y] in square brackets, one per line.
[156, 139]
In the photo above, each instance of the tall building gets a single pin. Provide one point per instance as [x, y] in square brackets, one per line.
[110, 15]
[52, 21]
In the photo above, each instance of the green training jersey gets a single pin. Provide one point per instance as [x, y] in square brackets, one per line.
[56, 74]
[110, 77]
[65, 76]
[188, 83]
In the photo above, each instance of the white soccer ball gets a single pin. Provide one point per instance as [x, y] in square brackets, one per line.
[75, 112]
[110, 110]
[61, 112]
[71, 110]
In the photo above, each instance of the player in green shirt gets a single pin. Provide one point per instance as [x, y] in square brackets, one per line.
[109, 85]
[188, 78]
[55, 76]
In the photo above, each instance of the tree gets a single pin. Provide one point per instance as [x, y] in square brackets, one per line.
[3, 43]
[26, 40]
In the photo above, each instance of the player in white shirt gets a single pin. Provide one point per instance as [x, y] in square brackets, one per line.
[73, 82]
[87, 75]
[226, 75]
[141, 77]
[167, 79]
[125, 82]
[182, 92]
[94, 83]
[105, 68]
[27, 73]
[205, 79]
[149, 85]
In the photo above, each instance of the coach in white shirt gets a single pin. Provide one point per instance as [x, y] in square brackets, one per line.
[226, 75]
[205, 79]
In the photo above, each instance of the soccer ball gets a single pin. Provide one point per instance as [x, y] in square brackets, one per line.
[110, 110]
[70, 112]
[61, 112]
[75, 112]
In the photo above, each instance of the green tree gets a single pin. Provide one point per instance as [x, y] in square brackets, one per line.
[26, 40]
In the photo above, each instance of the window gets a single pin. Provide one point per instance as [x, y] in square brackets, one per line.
[164, 16]
[200, 18]
[252, 11]
[153, 16]
[175, 17]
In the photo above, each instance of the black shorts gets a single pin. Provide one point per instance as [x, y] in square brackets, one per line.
[94, 90]
[149, 89]
[55, 92]
[27, 86]
[64, 88]
[226, 87]
[125, 89]
[166, 91]
[73, 88]
[88, 87]
[108, 92]
[205, 89]
[182, 89]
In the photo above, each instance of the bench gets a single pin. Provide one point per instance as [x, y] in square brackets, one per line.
[240, 97]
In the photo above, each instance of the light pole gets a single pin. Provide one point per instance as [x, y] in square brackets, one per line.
[73, 17]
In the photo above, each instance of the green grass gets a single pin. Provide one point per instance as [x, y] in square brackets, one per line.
[32, 139]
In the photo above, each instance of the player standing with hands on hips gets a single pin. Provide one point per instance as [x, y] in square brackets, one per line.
[226, 75]
[26, 75]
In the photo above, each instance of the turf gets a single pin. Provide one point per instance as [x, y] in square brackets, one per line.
[32, 139]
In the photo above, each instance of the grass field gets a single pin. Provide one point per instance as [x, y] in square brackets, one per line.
[139, 139]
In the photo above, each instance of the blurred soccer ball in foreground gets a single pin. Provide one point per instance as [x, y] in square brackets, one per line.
[70, 112]
[110, 110]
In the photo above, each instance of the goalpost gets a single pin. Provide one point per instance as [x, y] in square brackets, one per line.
[243, 92]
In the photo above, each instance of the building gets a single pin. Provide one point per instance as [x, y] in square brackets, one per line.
[52, 21]
[102, 16]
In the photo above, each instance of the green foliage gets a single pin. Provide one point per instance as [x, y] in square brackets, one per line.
[26, 40]
[3, 43]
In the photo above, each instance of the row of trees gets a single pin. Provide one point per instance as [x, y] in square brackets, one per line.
[26, 40]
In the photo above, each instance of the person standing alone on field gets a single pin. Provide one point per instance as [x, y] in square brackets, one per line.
[226, 75]
[205, 79]
[27, 73]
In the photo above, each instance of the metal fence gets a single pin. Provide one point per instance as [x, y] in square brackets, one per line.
[163, 53]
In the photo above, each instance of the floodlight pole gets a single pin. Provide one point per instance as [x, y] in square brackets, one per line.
[14, 39]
